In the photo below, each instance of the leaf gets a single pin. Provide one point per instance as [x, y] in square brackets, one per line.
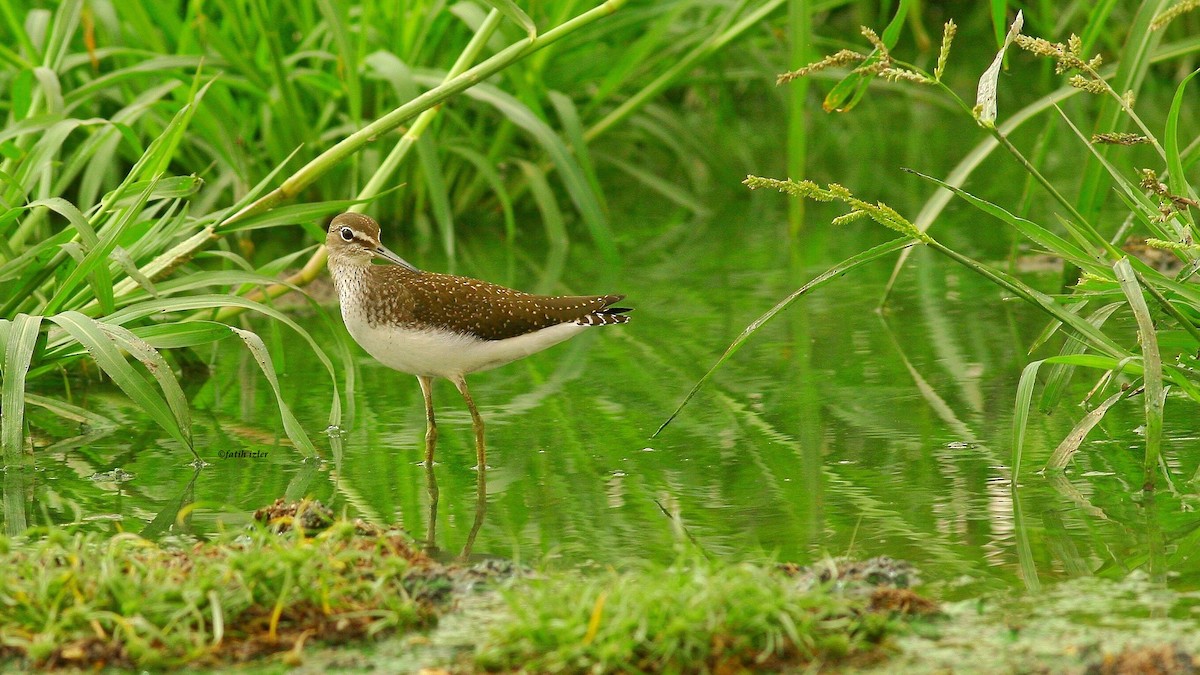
[985, 99]
[70, 412]
[291, 425]
[1152, 375]
[488, 172]
[212, 302]
[1021, 414]
[510, 10]
[185, 334]
[18, 344]
[1176, 178]
[89, 333]
[1060, 373]
[847, 93]
[1066, 449]
[437, 191]
[157, 366]
[289, 215]
[573, 175]
[99, 254]
[1027, 228]
[832, 273]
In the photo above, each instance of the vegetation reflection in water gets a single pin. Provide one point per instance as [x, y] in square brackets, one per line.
[838, 431]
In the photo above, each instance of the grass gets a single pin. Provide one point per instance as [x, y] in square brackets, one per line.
[301, 578]
[164, 169]
[88, 600]
[695, 616]
[1164, 306]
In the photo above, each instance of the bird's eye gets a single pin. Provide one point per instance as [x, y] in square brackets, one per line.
[347, 234]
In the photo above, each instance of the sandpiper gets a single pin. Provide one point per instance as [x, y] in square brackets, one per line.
[439, 325]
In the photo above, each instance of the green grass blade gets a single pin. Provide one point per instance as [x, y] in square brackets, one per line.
[179, 335]
[1036, 233]
[70, 412]
[572, 127]
[347, 52]
[514, 13]
[1060, 372]
[1145, 210]
[1152, 375]
[159, 369]
[211, 302]
[999, 19]
[289, 215]
[832, 273]
[1037, 299]
[19, 342]
[89, 333]
[488, 172]
[669, 188]
[573, 176]
[178, 253]
[1021, 414]
[99, 254]
[1176, 178]
[1132, 64]
[291, 425]
[1070, 445]
[547, 204]
[438, 192]
[847, 93]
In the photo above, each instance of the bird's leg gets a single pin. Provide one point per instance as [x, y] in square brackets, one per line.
[430, 423]
[432, 487]
[480, 451]
[480, 512]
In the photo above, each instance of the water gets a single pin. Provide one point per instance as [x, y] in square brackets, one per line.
[836, 430]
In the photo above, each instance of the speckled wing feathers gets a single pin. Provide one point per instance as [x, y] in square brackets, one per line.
[478, 308]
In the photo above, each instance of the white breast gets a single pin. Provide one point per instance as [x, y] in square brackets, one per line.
[440, 353]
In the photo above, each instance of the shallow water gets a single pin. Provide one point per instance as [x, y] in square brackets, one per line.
[835, 430]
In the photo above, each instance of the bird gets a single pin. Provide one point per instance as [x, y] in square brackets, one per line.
[435, 325]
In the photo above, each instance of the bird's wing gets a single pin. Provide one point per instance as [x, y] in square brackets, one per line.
[493, 312]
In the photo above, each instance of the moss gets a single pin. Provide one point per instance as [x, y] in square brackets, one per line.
[87, 600]
[695, 617]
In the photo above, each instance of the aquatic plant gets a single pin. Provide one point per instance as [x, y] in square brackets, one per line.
[83, 600]
[149, 157]
[1107, 280]
[694, 616]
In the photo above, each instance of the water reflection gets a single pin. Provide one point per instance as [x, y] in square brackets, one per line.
[836, 430]
[431, 489]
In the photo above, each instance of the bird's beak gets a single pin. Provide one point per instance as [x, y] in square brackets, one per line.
[387, 254]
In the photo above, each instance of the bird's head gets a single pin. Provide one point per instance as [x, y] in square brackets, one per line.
[354, 238]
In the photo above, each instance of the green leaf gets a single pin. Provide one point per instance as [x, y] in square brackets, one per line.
[290, 215]
[291, 425]
[437, 190]
[847, 93]
[573, 176]
[158, 368]
[1021, 414]
[1067, 448]
[1152, 375]
[137, 386]
[99, 254]
[488, 172]
[510, 10]
[19, 339]
[1060, 372]
[1176, 178]
[1027, 228]
[185, 334]
[832, 273]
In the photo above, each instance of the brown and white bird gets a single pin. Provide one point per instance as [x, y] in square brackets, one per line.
[439, 325]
